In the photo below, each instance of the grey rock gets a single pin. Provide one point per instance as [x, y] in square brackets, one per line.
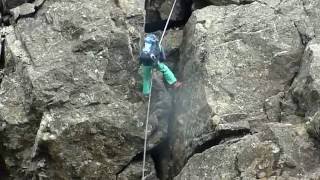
[274, 152]
[313, 126]
[73, 92]
[232, 59]
[69, 106]
[18, 118]
[26, 9]
[14, 3]
[305, 88]
[228, 161]
[134, 171]
[230, 127]
[312, 10]
[272, 107]
[23, 10]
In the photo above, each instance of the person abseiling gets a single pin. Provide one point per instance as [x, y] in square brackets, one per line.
[152, 56]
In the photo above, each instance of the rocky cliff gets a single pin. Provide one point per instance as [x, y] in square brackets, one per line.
[69, 98]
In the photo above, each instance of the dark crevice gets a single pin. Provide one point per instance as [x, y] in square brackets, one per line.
[2, 57]
[215, 138]
[203, 3]
[4, 172]
[291, 81]
[236, 165]
[159, 25]
[304, 38]
[5, 13]
[160, 156]
[246, 2]
[39, 164]
[138, 157]
[183, 11]
[155, 23]
[220, 138]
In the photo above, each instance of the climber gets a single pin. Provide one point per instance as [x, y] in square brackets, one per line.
[152, 56]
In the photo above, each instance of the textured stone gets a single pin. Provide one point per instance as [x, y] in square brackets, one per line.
[313, 126]
[134, 171]
[232, 59]
[305, 88]
[278, 151]
[69, 107]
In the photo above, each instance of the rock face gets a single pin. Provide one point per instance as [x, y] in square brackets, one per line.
[305, 88]
[238, 63]
[133, 172]
[277, 153]
[69, 107]
[14, 3]
[159, 10]
[69, 97]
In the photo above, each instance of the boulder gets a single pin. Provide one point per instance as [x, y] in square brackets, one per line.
[313, 126]
[134, 171]
[305, 88]
[70, 106]
[232, 59]
[280, 152]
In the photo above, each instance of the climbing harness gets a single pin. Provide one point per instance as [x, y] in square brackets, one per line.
[149, 99]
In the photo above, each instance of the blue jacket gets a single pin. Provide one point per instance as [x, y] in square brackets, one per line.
[147, 61]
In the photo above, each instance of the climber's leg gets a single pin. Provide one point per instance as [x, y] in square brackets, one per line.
[167, 73]
[146, 80]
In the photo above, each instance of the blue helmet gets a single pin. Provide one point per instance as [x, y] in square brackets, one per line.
[151, 38]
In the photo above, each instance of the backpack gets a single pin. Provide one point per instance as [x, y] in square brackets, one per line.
[151, 51]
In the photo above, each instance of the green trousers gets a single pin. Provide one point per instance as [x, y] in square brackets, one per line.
[166, 72]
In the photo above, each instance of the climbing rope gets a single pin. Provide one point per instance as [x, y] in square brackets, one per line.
[149, 99]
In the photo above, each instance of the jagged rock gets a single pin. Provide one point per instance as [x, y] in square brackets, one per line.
[313, 126]
[25, 9]
[18, 118]
[159, 10]
[290, 112]
[312, 10]
[305, 88]
[182, 8]
[75, 72]
[134, 171]
[232, 127]
[14, 3]
[69, 106]
[279, 152]
[272, 107]
[132, 7]
[232, 59]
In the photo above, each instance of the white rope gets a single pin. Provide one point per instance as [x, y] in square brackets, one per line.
[146, 129]
[149, 101]
[167, 23]
[144, 27]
